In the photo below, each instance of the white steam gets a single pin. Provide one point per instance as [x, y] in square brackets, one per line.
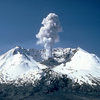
[48, 34]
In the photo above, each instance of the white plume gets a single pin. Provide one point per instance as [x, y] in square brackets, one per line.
[48, 33]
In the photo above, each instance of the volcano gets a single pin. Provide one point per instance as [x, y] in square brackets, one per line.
[69, 72]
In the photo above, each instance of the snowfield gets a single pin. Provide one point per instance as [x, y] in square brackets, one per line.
[82, 68]
[28, 65]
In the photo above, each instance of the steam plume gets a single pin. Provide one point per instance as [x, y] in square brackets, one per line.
[48, 34]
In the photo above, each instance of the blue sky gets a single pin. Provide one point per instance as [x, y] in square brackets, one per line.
[20, 21]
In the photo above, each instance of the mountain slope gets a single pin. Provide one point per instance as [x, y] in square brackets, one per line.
[16, 62]
[29, 64]
[71, 74]
[83, 67]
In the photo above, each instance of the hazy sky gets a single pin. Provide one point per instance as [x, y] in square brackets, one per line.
[20, 21]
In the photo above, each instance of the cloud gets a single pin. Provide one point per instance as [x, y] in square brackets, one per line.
[48, 34]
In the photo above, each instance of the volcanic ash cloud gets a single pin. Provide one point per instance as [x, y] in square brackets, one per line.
[48, 34]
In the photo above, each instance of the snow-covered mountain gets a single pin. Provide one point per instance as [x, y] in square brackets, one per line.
[28, 65]
[17, 63]
[83, 67]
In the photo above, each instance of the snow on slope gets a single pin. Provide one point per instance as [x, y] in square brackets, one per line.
[26, 65]
[83, 67]
[16, 63]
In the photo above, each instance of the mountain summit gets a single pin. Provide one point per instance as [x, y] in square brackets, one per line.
[71, 74]
[29, 64]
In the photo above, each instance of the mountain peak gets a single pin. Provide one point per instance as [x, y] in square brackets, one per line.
[76, 63]
[18, 49]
